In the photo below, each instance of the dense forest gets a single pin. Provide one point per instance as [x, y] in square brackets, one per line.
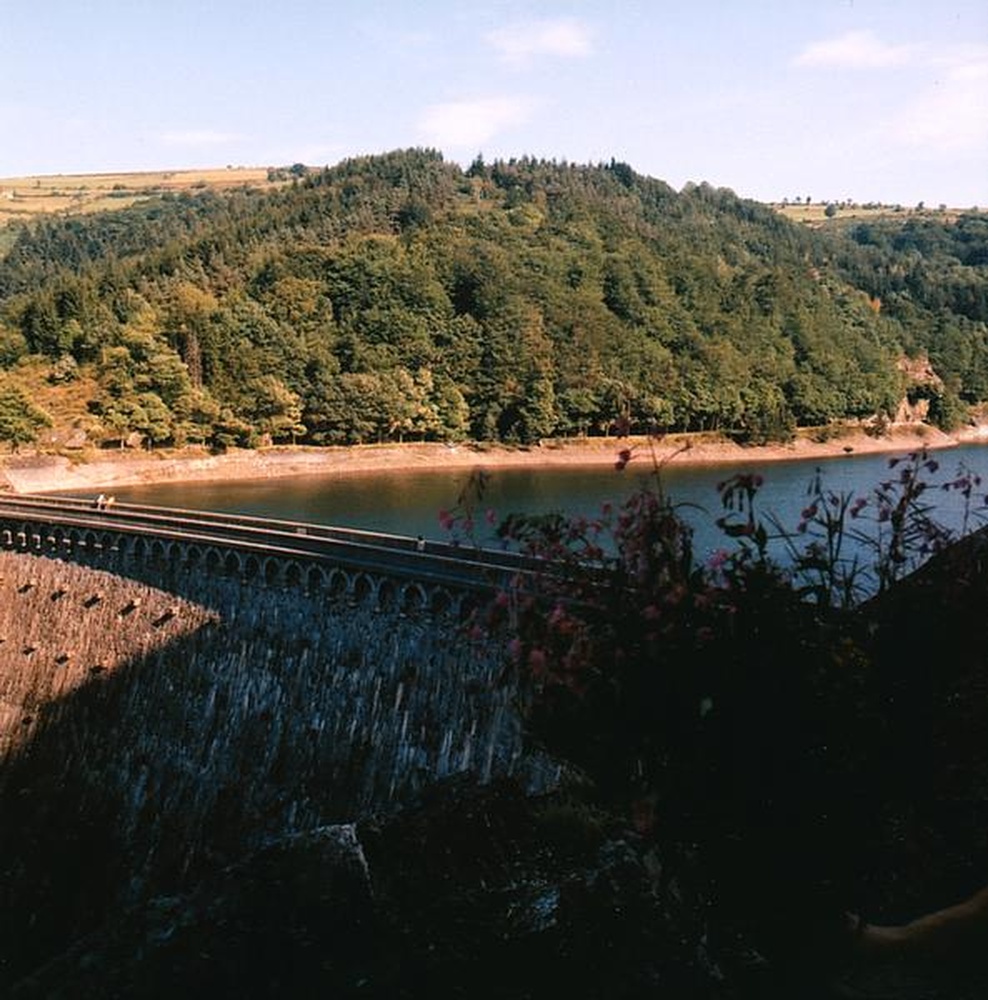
[399, 297]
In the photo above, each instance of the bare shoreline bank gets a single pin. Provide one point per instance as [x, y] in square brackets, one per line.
[48, 473]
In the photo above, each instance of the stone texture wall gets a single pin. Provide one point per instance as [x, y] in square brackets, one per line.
[148, 737]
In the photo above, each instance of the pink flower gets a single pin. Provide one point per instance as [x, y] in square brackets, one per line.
[446, 520]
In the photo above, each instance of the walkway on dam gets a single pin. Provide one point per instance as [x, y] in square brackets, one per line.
[70, 525]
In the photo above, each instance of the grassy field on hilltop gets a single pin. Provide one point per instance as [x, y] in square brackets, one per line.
[72, 194]
[815, 213]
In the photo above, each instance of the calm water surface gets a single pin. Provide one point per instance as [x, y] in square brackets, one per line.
[408, 503]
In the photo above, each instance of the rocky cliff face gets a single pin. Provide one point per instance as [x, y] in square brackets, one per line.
[922, 382]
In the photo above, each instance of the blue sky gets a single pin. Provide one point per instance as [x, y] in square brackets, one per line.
[883, 100]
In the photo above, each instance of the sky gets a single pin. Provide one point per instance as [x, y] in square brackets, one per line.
[867, 100]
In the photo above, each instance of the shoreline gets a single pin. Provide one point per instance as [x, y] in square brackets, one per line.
[48, 473]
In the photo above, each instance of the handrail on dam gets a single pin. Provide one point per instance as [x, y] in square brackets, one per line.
[439, 563]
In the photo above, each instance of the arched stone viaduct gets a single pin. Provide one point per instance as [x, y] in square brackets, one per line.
[388, 572]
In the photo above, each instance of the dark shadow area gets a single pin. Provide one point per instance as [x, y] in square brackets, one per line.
[280, 714]
[300, 797]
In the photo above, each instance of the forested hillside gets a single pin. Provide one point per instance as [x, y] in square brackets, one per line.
[399, 297]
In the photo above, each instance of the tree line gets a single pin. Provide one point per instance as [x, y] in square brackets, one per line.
[399, 297]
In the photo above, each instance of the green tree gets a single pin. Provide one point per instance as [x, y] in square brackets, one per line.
[275, 410]
[20, 419]
[143, 414]
[154, 420]
[230, 431]
[13, 346]
[452, 410]
[196, 414]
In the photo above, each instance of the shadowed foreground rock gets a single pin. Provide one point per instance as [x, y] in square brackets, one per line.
[475, 893]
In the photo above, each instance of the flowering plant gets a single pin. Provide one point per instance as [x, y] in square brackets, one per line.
[717, 704]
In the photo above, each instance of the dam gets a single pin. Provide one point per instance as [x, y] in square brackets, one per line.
[174, 696]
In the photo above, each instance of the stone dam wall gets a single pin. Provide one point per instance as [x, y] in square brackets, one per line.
[147, 737]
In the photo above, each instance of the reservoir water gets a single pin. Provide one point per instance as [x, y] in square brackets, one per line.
[408, 503]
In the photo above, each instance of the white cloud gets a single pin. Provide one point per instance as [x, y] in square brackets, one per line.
[517, 43]
[197, 137]
[951, 115]
[471, 123]
[855, 50]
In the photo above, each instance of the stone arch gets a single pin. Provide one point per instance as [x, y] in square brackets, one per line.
[413, 598]
[292, 574]
[338, 584]
[140, 549]
[272, 571]
[362, 588]
[386, 594]
[441, 602]
[100, 542]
